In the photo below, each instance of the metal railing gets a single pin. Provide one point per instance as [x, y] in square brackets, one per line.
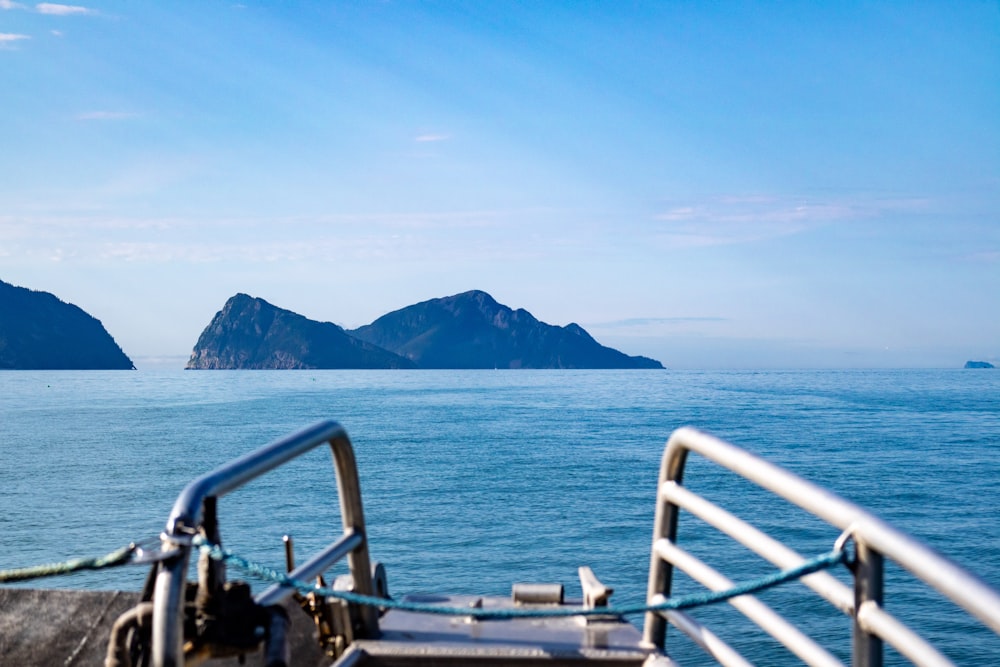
[874, 541]
[186, 517]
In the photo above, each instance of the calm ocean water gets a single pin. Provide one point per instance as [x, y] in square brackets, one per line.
[473, 480]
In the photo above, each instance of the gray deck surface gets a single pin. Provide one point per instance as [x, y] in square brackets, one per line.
[422, 640]
[71, 628]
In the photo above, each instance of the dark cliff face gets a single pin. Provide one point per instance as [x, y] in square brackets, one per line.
[40, 332]
[250, 333]
[472, 330]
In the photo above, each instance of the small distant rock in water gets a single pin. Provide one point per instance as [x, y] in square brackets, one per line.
[979, 364]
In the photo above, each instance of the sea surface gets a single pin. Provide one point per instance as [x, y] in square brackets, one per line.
[474, 480]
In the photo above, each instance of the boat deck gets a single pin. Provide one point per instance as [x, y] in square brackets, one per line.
[71, 628]
[413, 639]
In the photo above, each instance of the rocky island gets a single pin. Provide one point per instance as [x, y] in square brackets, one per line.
[250, 333]
[463, 331]
[472, 330]
[978, 364]
[40, 332]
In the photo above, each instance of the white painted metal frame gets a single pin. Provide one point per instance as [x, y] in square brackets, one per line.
[874, 540]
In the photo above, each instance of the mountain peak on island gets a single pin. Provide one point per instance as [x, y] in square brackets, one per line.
[250, 333]
[473, 330]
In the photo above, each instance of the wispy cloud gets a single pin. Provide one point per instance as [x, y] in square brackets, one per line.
[105, 115]
[426, 138]
[639, 327]
[648, 321]
[50, 8]
[746, 219]
[103, 238]
[413, 221]
[759, 209]
[701, 233]
[985, 256]
[8, 39]
[62, 10]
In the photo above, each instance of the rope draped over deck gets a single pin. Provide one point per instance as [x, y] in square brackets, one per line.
[126, 556]
[822, 562]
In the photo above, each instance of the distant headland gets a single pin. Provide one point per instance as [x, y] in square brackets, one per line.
[978, 364]
[40, 332]
[464, 331]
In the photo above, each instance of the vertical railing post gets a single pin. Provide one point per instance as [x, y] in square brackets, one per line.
[660, 575]
[868, 590]
[353, 519]
[654, 633]
[168, 611]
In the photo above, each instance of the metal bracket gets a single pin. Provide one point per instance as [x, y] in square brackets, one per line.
[595, 594]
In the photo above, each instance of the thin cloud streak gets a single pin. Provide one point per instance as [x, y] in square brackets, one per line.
[8, 39]
[76, 224]
[732, 220]
[397, 248]
[656, 327]
[648, 321]
[426, 138]
[54, 9]
[364, 250]
[106, 115]
[986, 257]
[711, 233]
[159, 241]
[760, 208]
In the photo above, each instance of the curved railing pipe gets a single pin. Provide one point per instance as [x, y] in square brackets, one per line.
[874, 540]
[186, 515]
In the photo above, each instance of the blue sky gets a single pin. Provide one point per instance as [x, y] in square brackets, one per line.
[713, 184]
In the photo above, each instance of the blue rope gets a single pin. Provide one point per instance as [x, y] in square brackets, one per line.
[123, 556]
[822, 562]
[119, 557]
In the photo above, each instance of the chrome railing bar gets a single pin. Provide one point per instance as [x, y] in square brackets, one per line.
[765, 546]
[186, 512]
[951, 580]
[167, 630]
[874, 619]
[311, 569]
[938, 571]
[761, 614]
[877, 621]
[707, 640]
